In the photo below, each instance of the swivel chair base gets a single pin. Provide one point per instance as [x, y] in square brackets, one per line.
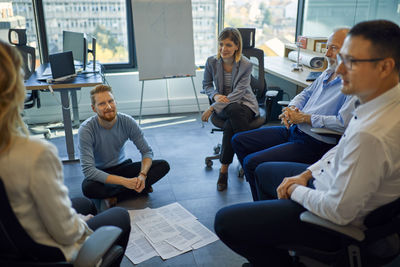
[217, 150]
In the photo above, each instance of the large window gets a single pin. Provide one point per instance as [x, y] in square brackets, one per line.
[18, 14]
[274, 20]
[205, 18]
[109, 21]
[321, 17]
[106, 20]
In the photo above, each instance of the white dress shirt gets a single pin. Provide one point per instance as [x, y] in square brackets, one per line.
[362, 172]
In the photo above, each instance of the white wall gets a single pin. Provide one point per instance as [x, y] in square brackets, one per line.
[127, 89]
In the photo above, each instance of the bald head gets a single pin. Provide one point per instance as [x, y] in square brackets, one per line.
[340, 34]
[335, 42]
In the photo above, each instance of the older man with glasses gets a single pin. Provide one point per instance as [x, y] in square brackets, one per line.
[321, 105]
[357, 176]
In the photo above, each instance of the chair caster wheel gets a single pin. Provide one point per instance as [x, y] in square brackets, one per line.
[209, 163]
[217, 149]
[47, 135]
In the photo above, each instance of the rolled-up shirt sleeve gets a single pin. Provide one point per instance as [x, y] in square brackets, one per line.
[301, 99]
[337, 122]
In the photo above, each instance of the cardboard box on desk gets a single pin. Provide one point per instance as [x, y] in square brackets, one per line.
[313, 41]
[320, 47]
[302, 40]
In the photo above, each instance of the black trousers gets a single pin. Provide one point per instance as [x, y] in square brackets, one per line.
[94, 189]
[118, 217]
[237, 119]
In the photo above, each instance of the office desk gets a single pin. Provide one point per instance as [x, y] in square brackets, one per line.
[281, 67]
[70, 86]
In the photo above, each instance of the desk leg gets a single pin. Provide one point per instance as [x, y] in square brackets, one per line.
[69, 138]
[75, 110]
[141, 102]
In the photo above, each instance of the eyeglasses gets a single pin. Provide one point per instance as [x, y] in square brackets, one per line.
[348, 61]
[334, 48]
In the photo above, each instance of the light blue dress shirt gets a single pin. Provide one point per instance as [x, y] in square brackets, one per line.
[328, 106]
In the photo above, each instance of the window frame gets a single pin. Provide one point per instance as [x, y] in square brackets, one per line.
[41, 34]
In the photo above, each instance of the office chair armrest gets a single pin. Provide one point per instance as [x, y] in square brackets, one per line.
[96, 246]
[283, 103]
[348, 230]
[325, 131]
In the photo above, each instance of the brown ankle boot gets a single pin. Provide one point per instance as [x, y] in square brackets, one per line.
[222, 183]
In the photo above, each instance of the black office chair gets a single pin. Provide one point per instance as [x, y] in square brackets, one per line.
[17, 248]
[258, 84]
[29, 61]
[359, 248]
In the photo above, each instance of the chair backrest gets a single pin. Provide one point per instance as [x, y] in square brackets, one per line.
[28, 55]
[15, 243]
[258, 84]
[383, 214]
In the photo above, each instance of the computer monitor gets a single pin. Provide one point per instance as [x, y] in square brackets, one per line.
[92, 50]
[76, 42]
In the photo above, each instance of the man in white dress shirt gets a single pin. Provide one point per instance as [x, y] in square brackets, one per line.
[355, 177]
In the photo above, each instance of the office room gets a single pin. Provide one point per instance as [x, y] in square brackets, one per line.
[184, 186]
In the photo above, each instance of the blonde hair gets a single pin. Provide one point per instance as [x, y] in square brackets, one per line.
[234, 35]
[12, 96]
[99, 89]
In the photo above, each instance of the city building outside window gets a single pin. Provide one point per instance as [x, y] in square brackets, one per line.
[274, 21]
[205, 28]
[106, 20]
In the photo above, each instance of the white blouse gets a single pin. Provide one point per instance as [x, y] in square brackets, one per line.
[33, 179]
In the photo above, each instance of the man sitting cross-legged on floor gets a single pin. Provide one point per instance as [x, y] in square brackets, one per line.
[108, 173]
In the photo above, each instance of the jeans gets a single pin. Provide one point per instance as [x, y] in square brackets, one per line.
[264, 231]
[275, 143]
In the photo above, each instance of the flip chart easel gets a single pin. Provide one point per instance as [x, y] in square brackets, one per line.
[164, 42]
[167, 89]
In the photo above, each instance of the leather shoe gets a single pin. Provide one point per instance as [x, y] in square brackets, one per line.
[222, 183]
